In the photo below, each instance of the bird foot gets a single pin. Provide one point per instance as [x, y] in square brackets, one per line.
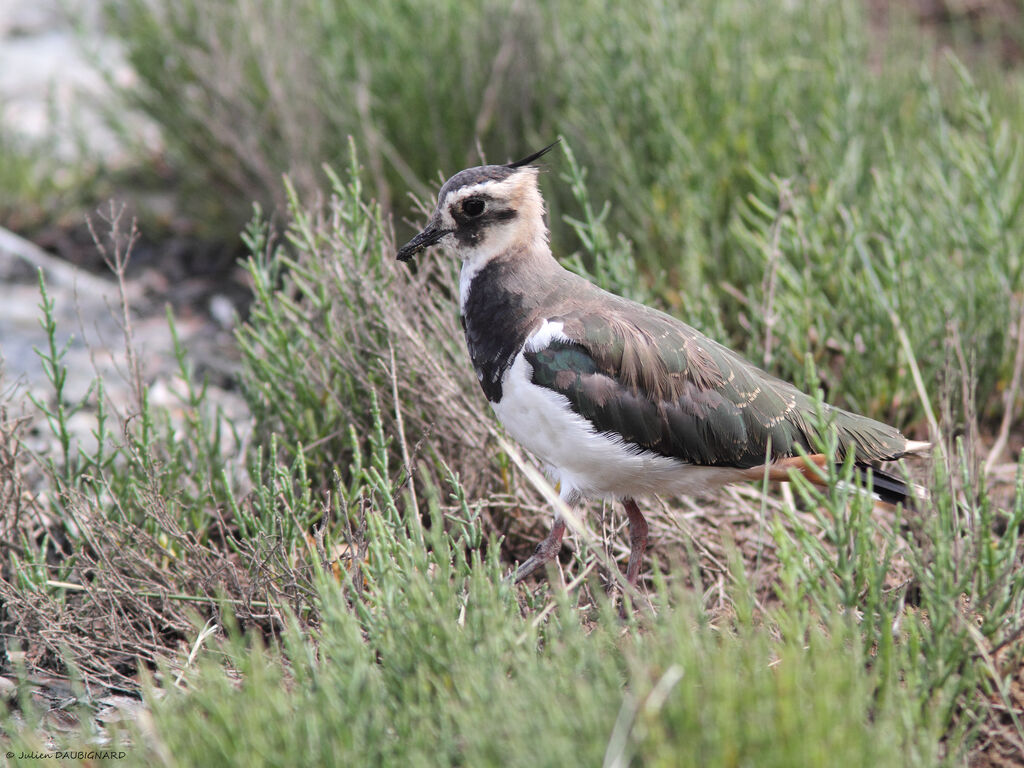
[638, 531]
[545, 552]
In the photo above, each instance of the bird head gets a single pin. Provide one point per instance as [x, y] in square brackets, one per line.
[486, 210]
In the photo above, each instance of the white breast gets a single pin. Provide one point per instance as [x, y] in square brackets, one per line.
[582, 460]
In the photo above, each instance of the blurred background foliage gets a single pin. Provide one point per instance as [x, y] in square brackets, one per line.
[813, 183]
[786, 173]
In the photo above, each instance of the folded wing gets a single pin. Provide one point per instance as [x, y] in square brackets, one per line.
[667, 388]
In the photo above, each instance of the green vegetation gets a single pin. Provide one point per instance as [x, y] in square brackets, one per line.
[877, 639]
[741, 145]
[30, 182]
[431, 662]
[848, 217]
[47, 180]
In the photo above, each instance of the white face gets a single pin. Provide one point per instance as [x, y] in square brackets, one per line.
[486, 219]
[486, 213]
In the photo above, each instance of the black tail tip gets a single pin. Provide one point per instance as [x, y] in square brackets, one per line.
[888, 487]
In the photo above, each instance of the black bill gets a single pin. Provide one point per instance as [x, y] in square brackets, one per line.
[425, 239]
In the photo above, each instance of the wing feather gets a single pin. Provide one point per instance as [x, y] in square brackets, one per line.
[665, 387]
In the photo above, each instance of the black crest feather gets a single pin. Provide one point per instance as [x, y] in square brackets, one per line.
[534, 156]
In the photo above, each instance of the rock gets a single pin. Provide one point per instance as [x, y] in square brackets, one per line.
[51, 89]
[8, 688]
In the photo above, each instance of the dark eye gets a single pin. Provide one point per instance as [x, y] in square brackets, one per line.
[473, 207]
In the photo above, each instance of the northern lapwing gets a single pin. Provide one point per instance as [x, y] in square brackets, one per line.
[617, 399]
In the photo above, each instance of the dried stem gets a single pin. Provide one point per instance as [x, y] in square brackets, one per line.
[1010, 399]
[771, 277]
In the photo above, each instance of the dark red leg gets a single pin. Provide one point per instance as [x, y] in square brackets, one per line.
[546, 551]
[637, 540]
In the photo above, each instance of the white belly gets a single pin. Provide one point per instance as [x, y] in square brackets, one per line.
[583, 461]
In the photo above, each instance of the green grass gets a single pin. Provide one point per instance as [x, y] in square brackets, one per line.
[31, 186]
[47, 181]
[451, 675]
[839, 212]
[424, 656]
[691, 121]
[392, 636]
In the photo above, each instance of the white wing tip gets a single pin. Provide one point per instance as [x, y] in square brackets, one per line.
[918, 447]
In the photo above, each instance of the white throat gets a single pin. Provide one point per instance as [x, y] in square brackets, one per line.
[523, 237]
[475, 259]
[470, 266]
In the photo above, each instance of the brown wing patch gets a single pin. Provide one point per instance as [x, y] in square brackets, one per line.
[657, 361]
[565, 379]
[701, 367]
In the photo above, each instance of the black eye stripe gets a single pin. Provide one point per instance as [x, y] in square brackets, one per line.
[471, 230]
[501, 214]
[490, 214]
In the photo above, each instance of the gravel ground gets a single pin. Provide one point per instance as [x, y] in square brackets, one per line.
[52, 88]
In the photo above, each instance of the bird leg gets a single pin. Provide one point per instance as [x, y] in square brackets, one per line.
[545, 551]
[637, 540]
